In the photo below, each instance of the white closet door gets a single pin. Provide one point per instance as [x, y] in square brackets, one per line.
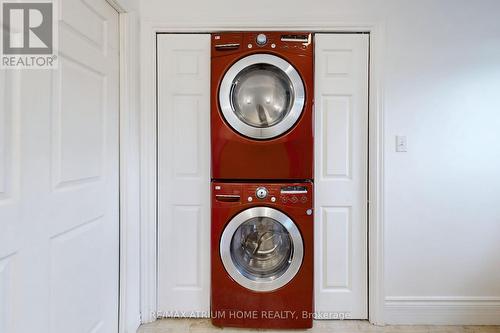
[59, 222]
[341, 148]
[183, 173]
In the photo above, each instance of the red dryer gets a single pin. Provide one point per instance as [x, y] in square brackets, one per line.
[262, 255]
[262, 105]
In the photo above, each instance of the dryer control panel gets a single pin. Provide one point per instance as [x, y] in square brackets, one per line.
[236, 42]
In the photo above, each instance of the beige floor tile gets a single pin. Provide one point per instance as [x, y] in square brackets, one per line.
[348, 324]
[203, 325]
[449, 329]
[483, 329]
[320, 326]
[406, 329]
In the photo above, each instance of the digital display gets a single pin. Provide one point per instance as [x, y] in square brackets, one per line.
[294, 189]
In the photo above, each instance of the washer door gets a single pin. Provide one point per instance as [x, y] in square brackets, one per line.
[261, 96]
[261, 249]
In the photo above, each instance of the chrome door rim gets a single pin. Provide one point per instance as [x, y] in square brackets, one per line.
[261, 284]
[266, 132]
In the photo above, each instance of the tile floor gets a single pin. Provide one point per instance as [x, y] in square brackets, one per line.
[346, 326]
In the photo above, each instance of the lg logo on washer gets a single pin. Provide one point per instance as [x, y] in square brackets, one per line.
[29, 35]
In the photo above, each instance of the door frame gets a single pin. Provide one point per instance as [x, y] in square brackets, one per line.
[129, 180]
[149, 30]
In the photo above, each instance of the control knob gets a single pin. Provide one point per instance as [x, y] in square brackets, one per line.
[261, 39]
[261, 192]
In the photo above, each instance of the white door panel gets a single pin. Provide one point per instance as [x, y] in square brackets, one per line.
[341, 128]
[59, 182]
[183, 172]
[10, 226]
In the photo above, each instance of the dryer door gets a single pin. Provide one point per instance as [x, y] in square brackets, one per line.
[261, 96]
[261, 249]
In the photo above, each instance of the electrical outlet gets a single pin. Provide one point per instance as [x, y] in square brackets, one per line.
[401, 144]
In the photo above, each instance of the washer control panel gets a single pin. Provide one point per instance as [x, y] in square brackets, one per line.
[292, 194]
[287, 194]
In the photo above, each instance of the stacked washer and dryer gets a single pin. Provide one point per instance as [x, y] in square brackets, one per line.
[262, 179]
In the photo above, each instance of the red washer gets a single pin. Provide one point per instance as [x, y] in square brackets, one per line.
[262, 256]
[261, 107]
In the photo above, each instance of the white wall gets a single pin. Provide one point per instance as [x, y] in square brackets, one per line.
[442, 90]
[129, 5]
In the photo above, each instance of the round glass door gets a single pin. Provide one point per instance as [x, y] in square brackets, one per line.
[261, 248]
[261, 96]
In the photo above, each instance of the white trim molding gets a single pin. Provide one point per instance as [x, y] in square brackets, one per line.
[148, 253]
[149, 29]
[129, 271]
[129, 318]
[376, 130]
[435, 310]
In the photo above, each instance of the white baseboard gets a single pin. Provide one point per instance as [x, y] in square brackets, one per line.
[442, 310]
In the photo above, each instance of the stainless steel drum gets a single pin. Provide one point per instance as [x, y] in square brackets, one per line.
[261, 249]
[261, 96]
